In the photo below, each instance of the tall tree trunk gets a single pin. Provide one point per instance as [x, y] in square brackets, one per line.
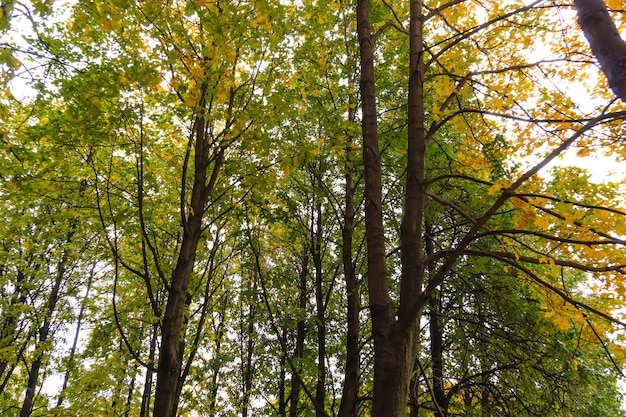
[605, 41]
[170, 354]
[44, 332]
[316, 252]
[247, 362]
[349, 397]
[282, 403]
[388, 371]
[436, 357]
[394, 341]
[390, 374]
[180, 382]
[216, 364]
[147, 384]
[294, 394]
[414, 390]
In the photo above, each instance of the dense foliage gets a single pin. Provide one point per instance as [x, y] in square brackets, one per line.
[275, 208]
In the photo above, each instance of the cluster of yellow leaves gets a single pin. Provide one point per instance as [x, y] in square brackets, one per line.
[262, 20]
[563, 320]
[498, 186]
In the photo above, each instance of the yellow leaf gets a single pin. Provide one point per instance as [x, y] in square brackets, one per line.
[579, 318]
[15, 62]
[497, 186]
[619, 351]
[190, 98]
[561, 323]
[542, 223]
[582, 152]
[197, 71]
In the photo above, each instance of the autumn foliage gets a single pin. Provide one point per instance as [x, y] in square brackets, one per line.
[321, 208]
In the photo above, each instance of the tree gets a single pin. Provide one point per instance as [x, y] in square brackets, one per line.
[447, 60]
[198, 225]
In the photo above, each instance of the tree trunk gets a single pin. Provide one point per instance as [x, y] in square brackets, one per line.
[393, 354]
[414, 390]
[170, 354]
[388, 372]
[216, 363]
[605, 41]
[248, 372]
[436, 357]
[44, 332]
[294, 394]
[129, 396]
[147, 385]
[349, 398]
[394, 341]
[316, 237]
[282, 403]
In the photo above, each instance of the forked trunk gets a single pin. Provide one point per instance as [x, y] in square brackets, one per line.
[170, 352]
[393, 364]
[395, 340]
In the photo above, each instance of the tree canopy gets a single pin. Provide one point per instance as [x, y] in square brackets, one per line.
[313, 208]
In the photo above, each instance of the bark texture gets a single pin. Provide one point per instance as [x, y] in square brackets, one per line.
[387, 370]
[605, 41]
[394, 339]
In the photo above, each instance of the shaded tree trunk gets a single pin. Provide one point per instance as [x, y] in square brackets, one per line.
[436, 357]
[44, 333]
[389, 369]
[129, 396]
[282, 403]
[395, 341]
[147, 385]
[414, 390]
[349, 398]
[216, 361]
[170, 352]
[316, 254]
[294, 394]
[605, 41]
[247, 363]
